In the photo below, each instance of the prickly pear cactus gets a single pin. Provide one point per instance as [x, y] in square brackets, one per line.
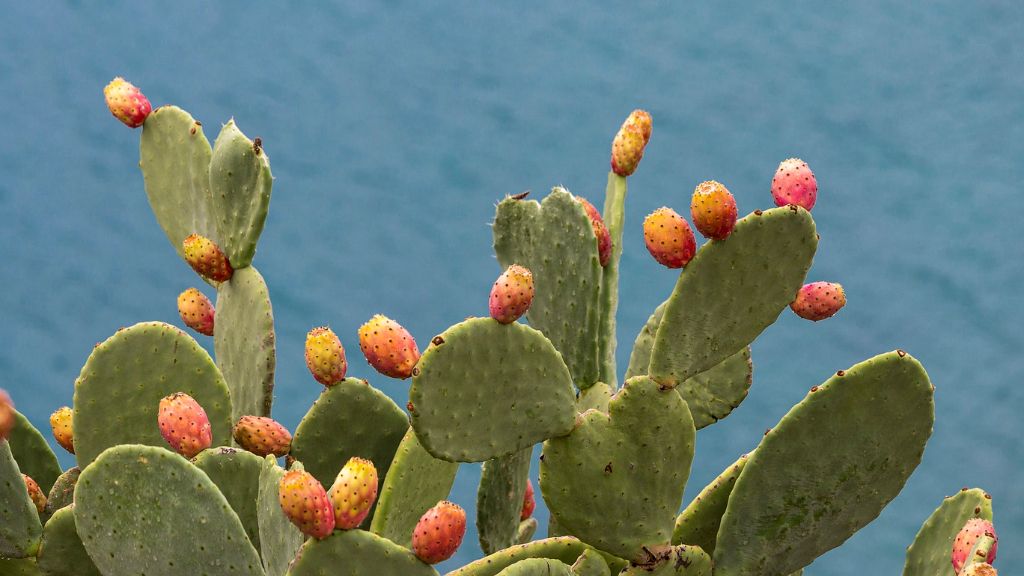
[929, 554]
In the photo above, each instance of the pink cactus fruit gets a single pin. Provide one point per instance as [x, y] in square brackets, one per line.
[630, 141]
[196, 311]
[126, 102]
[968, 536]
[819, 300]
[439, 532]
[184, 424]
[713, 210]
[669, 238]
[353, 493]
[262, 436]
[604, 238]
[35, 493]
[325, 356]
[63, 431]
[388, 347]
[305, 503]
[794, 183]
[7, 418]
[511, 294]
[528, 502]
[206, 258]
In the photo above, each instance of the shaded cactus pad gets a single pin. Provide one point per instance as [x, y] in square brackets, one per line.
[499, 499]
[279, 538]
[698, 523]
[237, 475]
[33, 453]
[929, 555]
[20, 529]
[563, 548]
[538, 567]
[356, 553]
[62, 552]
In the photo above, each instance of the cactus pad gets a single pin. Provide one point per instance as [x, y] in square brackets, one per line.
[527, 528]
[731, 291]
[240, 183]
[596, 397]
[930, 553]
[134, 501]
[33, 453]
[634, 461]
[485, 389]
[61, 552]
[699, 521]
[355, 553]
[538, 567]
[676, 561]
[555, 240]
[279, 538]
[244, 342]
[564, 549]
[499, 500]
[119, 389]
[590, 563]
[614, 218]
[62, 493]
[237, 474]
[20, 529]
[828, 467]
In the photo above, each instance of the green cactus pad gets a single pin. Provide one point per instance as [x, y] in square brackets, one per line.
[33, 453]
[175, 161]
[20, 529]
[279, 538]
[16, 567]
[636, 458]
[240, 183]
[117, 394]
[499, 499]
[698, 523]
[237, 474]
[244, 342]
[596, 397]
[929, 555]
[677, 561]
[731, 291]
[564, 549]
[61, 552]
[527, 528]
[62, 493]
[504, 384]
[357, 553]
[614, 218]
[538, 567]
[555, 240]
[416, 481]
[828, 467]
[136, 504]
[349, 419]
[590, 563]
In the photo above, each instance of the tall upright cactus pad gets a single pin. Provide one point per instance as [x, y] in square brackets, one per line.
[415, 482]
[499, 499]
[615, 219]
[678, 561]
[698, 523]
[146, 508]
[828, 468]
[564, 549]
[240, 184]
[486, 389]
[33, 453]
[634, 461]
[118, 392]
[62, 552]
[731, 291]
[555, 240]
[237, 474]
[538, 567]
[20, 529]
[244, 342]
[929, 555]
[279, 538]
[356, 553]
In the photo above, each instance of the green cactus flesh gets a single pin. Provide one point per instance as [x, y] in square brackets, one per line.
[699, 521]
[594, 398]
[485, 389]
[590, 563]
[634, 460]
[20, 529]
[555, 240]
[356, 553]
[117, 394]
[244, 342]
[499, 499]
[929, 555]
[19, 567]
[141, 508]
[237, 474]
[614, 219]
[731, 291]
[527, 528]
[415, 482]
[62, 493]
[279, 538]
[828, 468]
[564, 549]
[538, 567]
[61, 552]
[677, 561]
[240, 184]
[33, 453]
[349, 419]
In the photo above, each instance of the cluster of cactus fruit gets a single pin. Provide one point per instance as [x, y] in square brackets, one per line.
[615, 459]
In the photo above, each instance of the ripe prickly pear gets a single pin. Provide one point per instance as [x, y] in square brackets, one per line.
[528, 502]
[511, 294]
[325, 356]
[819, 300]
[713, 209]
[669, 238]
[126, 102]
[628, 145]
[604, 238]
[305, 503]
[196, 311]
[965, 540]
[6, 415]
[979, 569]
[353, 493]
[388, 347]
[35, 493]
[439, 532]
[262, 436]
[207, 259]
[794, 183]
[63, 432]
[184, 424]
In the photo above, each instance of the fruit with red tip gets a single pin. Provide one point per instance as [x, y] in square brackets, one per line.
[669, 238]
[262, 436]
[819, 300]
[713, 209]
[630, 141]
[184, 424]
[126, 102]
[794, 183]
[966, 539]
[196, 311]
[63, 431]
[511, 294]
[7, 418]
[325, 356]
[35, 493]
[604, 238]
[305, 503]
[353, 493]
[528, 502]
[439, 532]
[207, 259]
[388, 347]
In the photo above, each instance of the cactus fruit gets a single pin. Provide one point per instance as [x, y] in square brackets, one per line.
[388, 347]
[528, 502]
[196, 311]
[604, 238]
[713, 210]
[325, 356]
[206, 258]
[35, 493]
[63, 432]
[184, 424]
[669, 238]
[262, 436]
[439, 532]
[126, 102]
[306, 504]
[794, 183]
[511, 294]
[628, 145]
[969, 535]
[353, 493]
[7, 417]
[819, 300]
[979, 569]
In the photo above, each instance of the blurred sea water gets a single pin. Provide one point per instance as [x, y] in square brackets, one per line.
[393, 129]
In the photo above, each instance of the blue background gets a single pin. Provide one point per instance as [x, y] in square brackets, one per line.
[393, 130]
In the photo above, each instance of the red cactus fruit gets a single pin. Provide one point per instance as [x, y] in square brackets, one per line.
[669, 238]
[604, 238]
[511, 294]
[528, 502]
[126, 102]
[819, 300]
[353, 493]
[439, 532]
[305, 503]
[388, 347]
[262, 436]
[713, 210]
[207, 259]
[7, 418]
[184, 424]
[325, 356]
[35, 493]
[63, 431]
[196, 311]
[794, 183]
[965, 540]
[630, 141]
